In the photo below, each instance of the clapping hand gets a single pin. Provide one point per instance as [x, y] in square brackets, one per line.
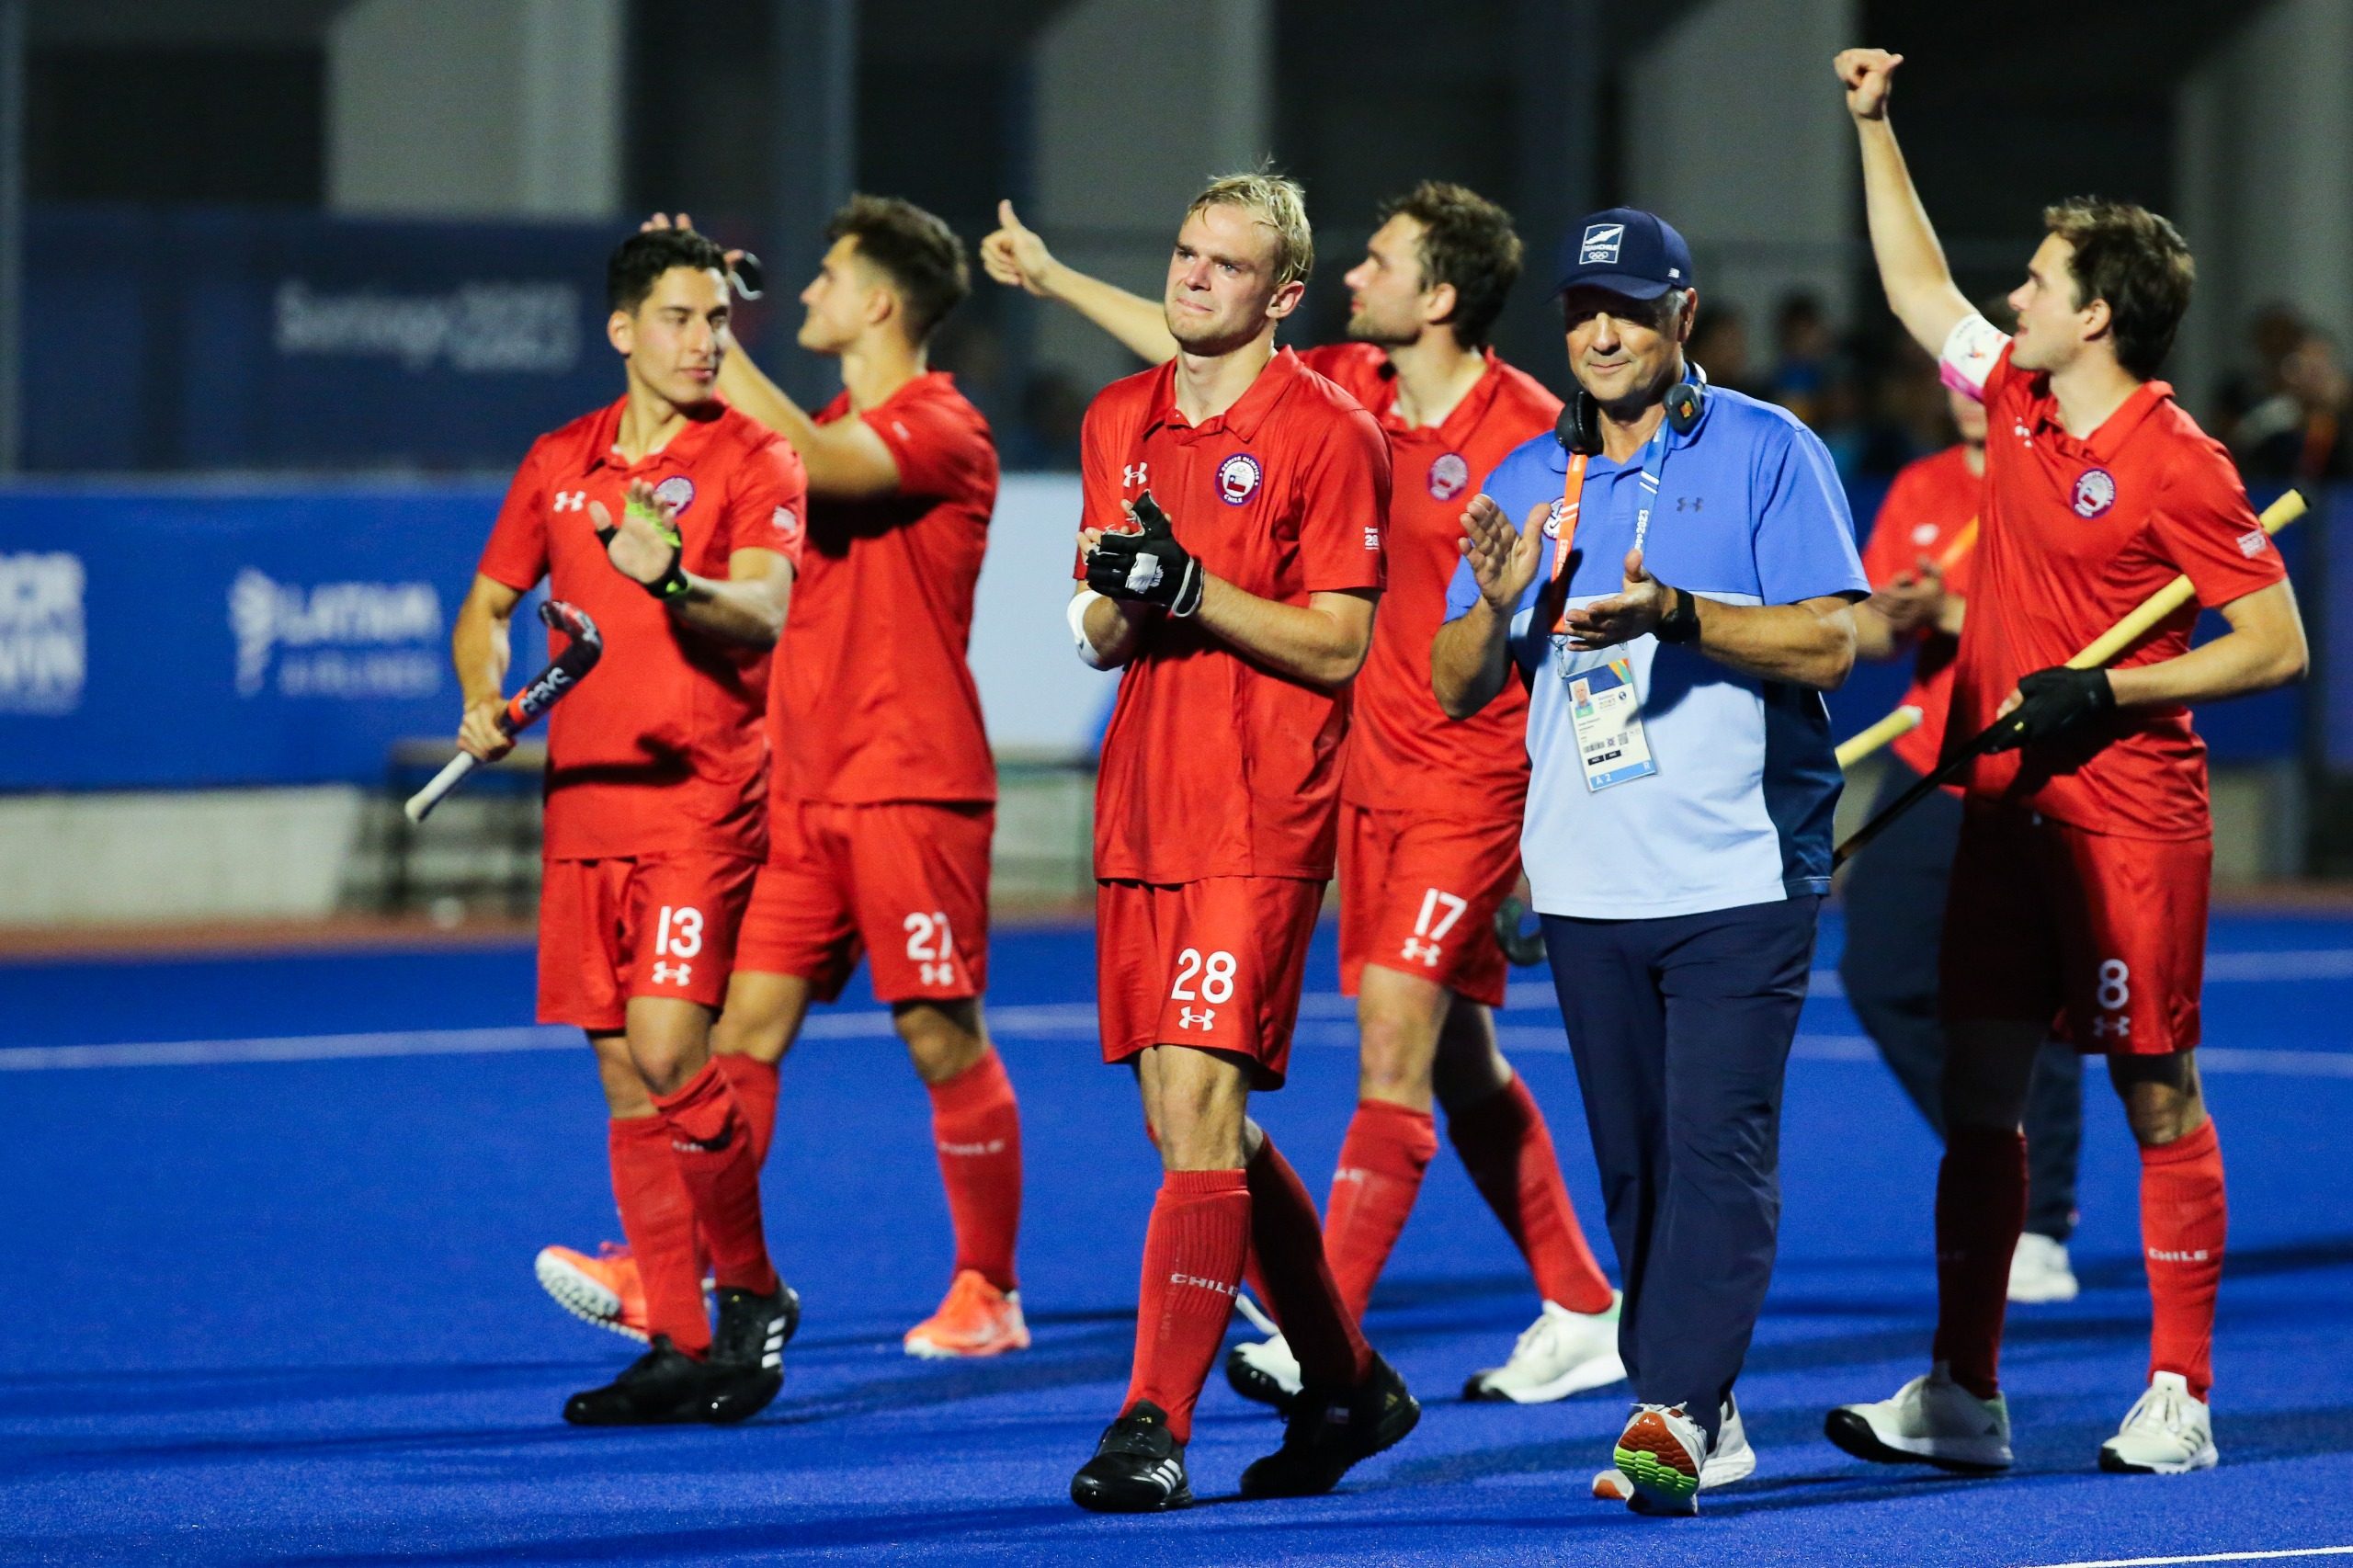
[1503, 559]
[1620, 617]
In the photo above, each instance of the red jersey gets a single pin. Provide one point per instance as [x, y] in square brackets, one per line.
[663, 748]
[1930, 502]
[1213, 765]
[871, 698]
[2074, 536]
[1404, 751]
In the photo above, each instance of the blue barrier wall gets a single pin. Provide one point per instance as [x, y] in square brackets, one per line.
[208, 338]
[183, 636]
[178, 638]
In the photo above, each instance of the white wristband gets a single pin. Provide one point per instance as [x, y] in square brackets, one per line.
[1087, 652]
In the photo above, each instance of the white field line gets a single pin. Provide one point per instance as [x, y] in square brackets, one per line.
[1071, 1021]
[1328, 1019]
[2210, 1557]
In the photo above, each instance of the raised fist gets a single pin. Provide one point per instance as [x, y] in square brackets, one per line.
[1868, 74]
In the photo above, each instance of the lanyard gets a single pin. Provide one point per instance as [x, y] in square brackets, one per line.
[1572, 501]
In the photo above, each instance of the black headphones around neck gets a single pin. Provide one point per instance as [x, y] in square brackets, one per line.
[1579, 429]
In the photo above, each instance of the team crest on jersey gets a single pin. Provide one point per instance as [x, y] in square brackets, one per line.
[2095, 493]
[1924, 534]
[1448, 477]
[1237, 479]
[787, 524]
[678, 492]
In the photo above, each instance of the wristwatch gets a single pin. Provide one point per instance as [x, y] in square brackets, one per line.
[1681, 621]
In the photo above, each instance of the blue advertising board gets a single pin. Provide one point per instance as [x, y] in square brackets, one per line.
[193, 338]
[181, 637]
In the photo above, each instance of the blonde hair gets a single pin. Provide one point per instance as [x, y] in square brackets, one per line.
[1279, 204]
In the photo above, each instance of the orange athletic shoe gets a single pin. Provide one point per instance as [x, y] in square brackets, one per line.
[604, 1289]
[977, 1319]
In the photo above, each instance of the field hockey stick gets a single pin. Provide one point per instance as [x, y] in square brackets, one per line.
[2101, 649]
[565, 671]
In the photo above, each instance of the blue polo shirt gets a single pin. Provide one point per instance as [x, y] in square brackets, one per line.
[1749, 512]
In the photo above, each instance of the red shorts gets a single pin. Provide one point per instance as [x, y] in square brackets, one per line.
[2102, 936]
[1217, 964]
[1418, 894]
[905, 883]
[649, 926]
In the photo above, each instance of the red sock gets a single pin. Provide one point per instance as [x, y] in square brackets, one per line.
[977, 1126]
[1381, 1161]
[1288, 1247]
[714, 1146]
[754, 1083]
[1192, 1257]
[2183, 1217]
[658, 1218]
[1508, 1151]
[1980, 1209]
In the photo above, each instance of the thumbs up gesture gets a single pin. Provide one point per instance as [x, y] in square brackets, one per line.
[1014, 255]
[1147, 566]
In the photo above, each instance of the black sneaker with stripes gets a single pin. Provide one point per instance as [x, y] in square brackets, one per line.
[749, 1345]
[1138, 1468]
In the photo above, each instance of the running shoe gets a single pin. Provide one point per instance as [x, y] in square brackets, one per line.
[2038, 1271]
[1138, 1468]
[1931, 1420]
[2166, 1433]
[977, 1319]
[1328, 1430]
[1729, 1461]
[1560, 1354]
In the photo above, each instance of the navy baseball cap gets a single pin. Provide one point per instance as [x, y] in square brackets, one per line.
[1626, 251]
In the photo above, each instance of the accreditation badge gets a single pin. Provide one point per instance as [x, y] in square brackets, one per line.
[1607, 713]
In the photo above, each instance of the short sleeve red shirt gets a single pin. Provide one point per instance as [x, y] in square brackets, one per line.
[1403, 752]
[2075, 535]
[872, 698]
[1930, 504]
[1215, 766]
[665, 747]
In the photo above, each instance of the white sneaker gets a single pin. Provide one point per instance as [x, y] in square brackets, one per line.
[1931, 1420]
[1731, 1459]
[2038, 1271]
[1560, 1354]
[2168, 1433]
[1265, 1372]
[1662, 1453]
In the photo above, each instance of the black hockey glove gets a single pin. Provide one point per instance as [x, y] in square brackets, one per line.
[2052, 701]
[1150, 566]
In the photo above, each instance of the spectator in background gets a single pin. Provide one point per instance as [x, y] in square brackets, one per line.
[2297, 435]
[2273, 333]
[1806, 364]
[1719, 346]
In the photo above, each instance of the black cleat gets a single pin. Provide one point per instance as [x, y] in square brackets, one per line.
[1329, 1430]
[747, 1350]
[663, 1386]
[1138, 1468]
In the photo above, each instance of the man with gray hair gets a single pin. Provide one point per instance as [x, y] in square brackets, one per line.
[1230, 557]
[1674, 640]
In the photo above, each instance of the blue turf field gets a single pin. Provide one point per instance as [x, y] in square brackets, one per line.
[268, 1298]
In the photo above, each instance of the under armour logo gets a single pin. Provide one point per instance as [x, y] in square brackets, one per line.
[1425, 951]
[2120, 1027]
[672, 973]
[1690, 503]
[1206, 1017]
[1133, 474]
[571, 501]
[939, 974]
